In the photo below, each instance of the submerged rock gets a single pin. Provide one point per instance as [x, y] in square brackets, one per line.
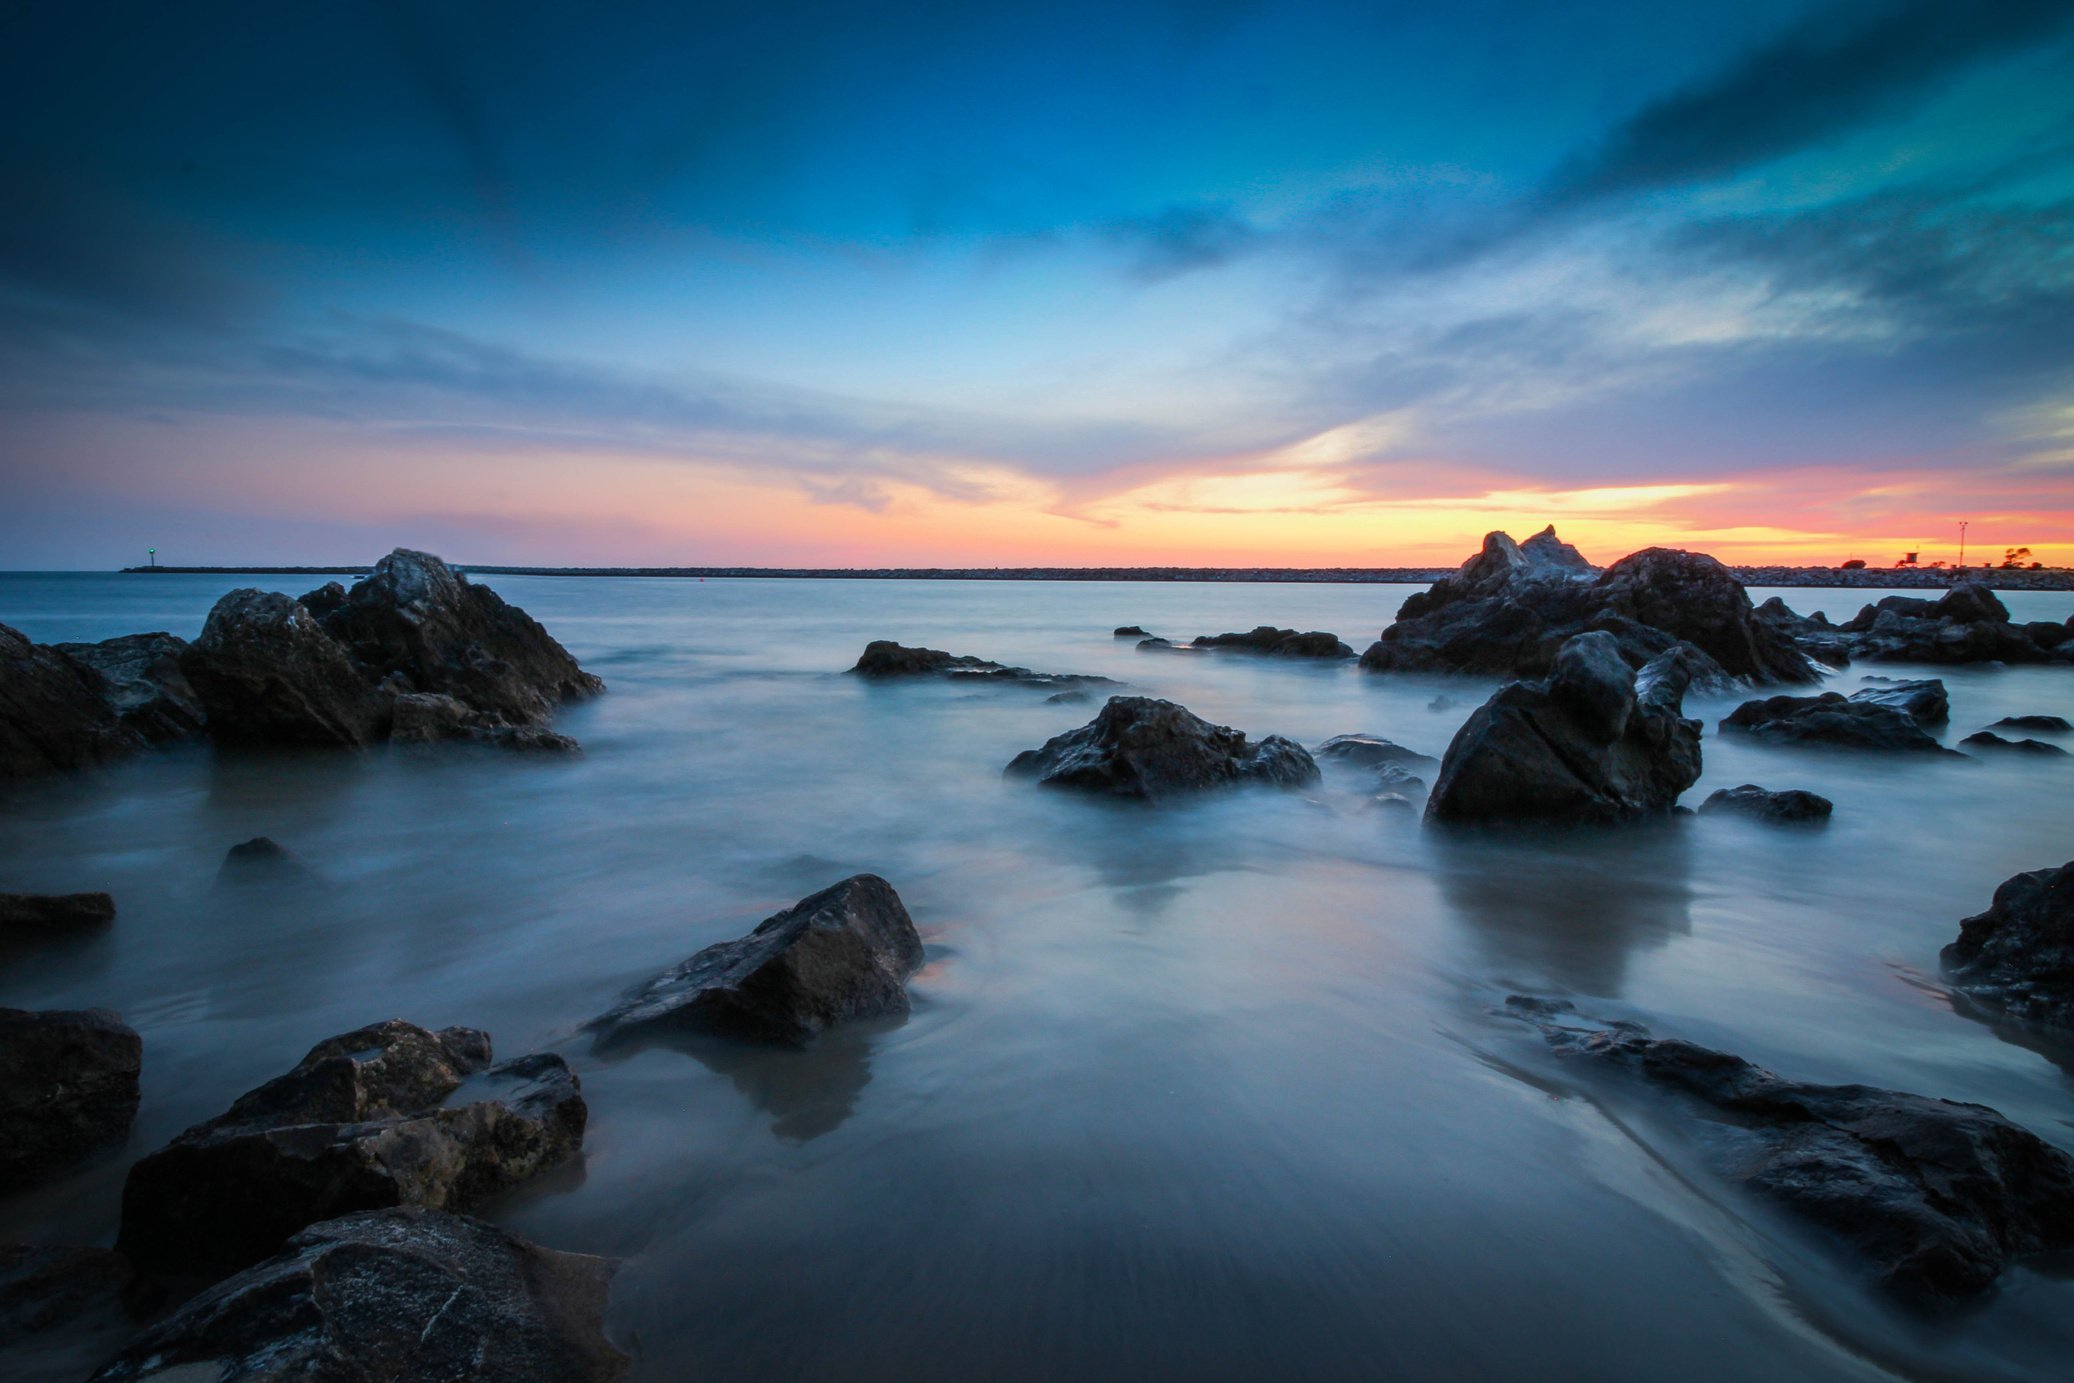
[2018, 956]
[363, 1122]
[45, 1286]
[1129, 631]
[1369, 751]
[143, 684]
[68, 1088]
[54, 712]
[1140, 747]
[267, 673]
[1933, 1196]
[1994, 743]
[262, 859]
[842, 954]
[36, 916]
[882, 658]
[1593, 743]
[1787, 805]
[393, 1294]
[1281, 643]
[1832, 719]
[2049, 724]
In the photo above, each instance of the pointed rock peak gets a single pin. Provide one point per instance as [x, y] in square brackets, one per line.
[1547, 554]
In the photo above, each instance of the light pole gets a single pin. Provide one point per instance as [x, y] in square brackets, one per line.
[1962, 544]
[152, 553]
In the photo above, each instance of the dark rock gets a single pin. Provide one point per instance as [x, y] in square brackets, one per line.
[1068, 698]
[262, 859]
[1282, 643]
[1130, 631]
[1968, 624]
[1925, 702]
[42, 1287]
[1368, 751]
[2018, 956]
[326, 599]
[1155, 644]
[1144, 748]
[267, 673]
[54, 713]
[845, 953]
[1511, 607]
[365, 1121]
[2050, 724]
[432, 718]
[1831, 719]
[393, 1294]
[1992, 742]
[1593, 743]
[1789, 805]
[417, 618]
[1394, 780]
[142, 683]
[1813, 634]
[68, 1087]
[1935, 1197]
[34, 916]
[882, 658]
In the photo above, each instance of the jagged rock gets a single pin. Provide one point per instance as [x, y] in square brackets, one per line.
[142, 683]
[1144, 748]
[68, 1087]
[2050, 724]
[43, 1286]
[267, 673]
[398, 1294]
[1925, 702]
[1968, 624]
[1593, 743]
[54, 712]
[1511, 607]
[1130, 631]
[1368, 751]
[844, 953]
[363, 1122]
[1990, 741]
[884, 658]
[417, 618]
[35, 916]
[1788, 805]
[2018, 956]
[1935, 1197]
[1282, 643]
[1813, 634]
[1831, 719]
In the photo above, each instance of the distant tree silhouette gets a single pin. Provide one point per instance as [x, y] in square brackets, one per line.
[2016, 556]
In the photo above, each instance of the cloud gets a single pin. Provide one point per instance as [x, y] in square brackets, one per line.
[864, 494]
[1181, 240]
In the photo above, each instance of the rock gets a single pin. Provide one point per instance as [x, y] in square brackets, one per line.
[54, 712]
[1968, 624]
[1935, 1197]
[36, 916]
[142, 683]
[842, 954]
[1368, 751]
[2050, 724]
[326, 599]
[1511, 607]
[68, 1087]
[1281, 643]
[1989, 740]
[2018, 956]
[42, 1287]
[1789, 805]
[1068, 698]
[1925, 702]
[882, 658]
[1813, 634]
[1393, 780]
[267, 673]
[1130, 631]
[262, 859]
[1156, 644]
[417, 618]
[364, 1122]
[432, 718]
[405, 1293]
[1139, 747]
[1831, 719]
[1593, 743]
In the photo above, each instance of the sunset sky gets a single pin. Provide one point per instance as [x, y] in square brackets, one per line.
[993, 284]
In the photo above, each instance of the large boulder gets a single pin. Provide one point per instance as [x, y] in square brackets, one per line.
[2018, 956]
[1140, 747]
[1968, 624]
[266, 672]
[1934, 1197]
[1513, 606]
[363, 1122]
[391, 1294]
[41, 916]
[1282, 643]
[1593, 743]
[54, 712]
[68, 1088]
[416, 619]
[1832, 719]
[1787, 805]
[885, 659]
[843, 954]
[142, 682]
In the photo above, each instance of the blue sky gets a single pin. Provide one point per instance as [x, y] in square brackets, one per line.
[1212, 282]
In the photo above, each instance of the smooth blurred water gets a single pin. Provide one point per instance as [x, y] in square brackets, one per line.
[1206, 1091]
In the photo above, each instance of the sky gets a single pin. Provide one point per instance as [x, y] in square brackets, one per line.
[1210, 283]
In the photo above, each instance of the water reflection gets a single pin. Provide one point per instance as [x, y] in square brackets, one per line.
[807, 1092]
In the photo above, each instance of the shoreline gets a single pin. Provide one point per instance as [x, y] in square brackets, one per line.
[1867, 578]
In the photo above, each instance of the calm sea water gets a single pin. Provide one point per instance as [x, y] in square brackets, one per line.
[1206, 1092]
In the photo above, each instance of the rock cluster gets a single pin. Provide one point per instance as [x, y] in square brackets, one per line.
[68, 1088]
[1151, 750]
[2018, 956]
[1594, 742]
[1935, 1197]
[1967, 624]
[883, 658]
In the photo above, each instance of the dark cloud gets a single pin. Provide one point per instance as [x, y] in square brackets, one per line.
[1180, 240]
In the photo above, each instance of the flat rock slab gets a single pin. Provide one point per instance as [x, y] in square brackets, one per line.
[395, 1294]
[1150, 750]
[842, 954]
[68, 1088]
